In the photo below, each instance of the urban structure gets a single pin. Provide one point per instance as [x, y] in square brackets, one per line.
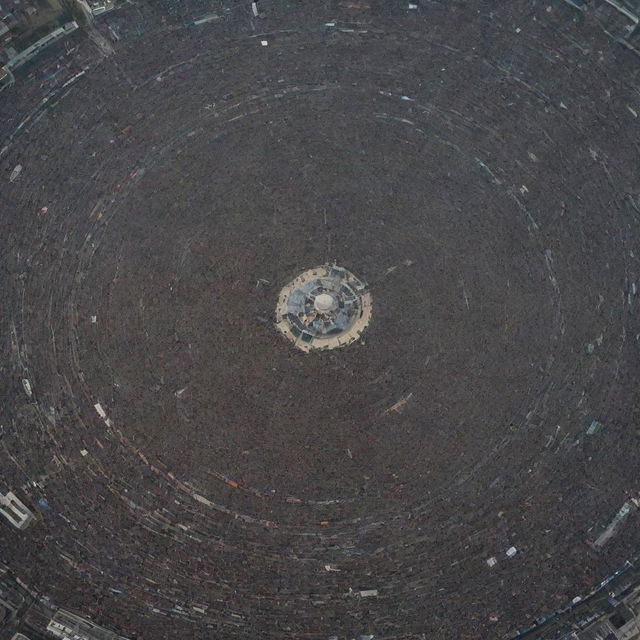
[324, 308]
[319, 320]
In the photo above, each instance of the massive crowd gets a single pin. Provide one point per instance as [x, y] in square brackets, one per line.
[191, 471]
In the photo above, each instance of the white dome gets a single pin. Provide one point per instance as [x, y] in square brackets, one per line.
[324, 302]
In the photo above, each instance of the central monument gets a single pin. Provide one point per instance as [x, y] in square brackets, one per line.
[323, 308]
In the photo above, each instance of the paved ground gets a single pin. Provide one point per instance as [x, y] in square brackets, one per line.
[477, 167]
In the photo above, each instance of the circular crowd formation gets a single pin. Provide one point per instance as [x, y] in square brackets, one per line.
[196, 474]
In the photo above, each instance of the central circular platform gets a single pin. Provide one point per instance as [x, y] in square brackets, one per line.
[323, 308]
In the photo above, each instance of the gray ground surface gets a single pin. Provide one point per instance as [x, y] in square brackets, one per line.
[478, 167]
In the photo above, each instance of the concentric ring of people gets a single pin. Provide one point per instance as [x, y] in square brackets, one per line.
[176, 462]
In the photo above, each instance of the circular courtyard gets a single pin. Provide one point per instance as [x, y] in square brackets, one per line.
[472, 173]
